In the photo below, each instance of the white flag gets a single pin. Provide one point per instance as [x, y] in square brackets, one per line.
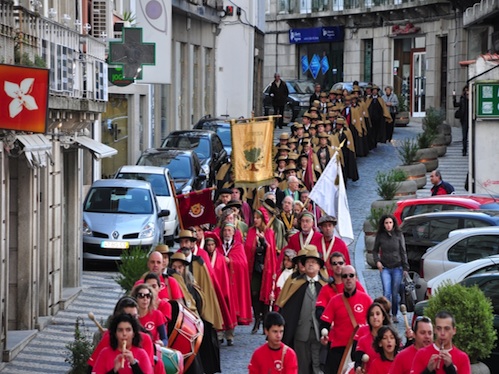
[330, 194]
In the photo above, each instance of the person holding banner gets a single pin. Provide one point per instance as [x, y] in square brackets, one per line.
[261, 254]
[341, 318]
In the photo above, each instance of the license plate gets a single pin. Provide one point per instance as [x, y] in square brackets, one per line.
[115, 245]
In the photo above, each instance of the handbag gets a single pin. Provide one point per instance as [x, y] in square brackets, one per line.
[458, 114]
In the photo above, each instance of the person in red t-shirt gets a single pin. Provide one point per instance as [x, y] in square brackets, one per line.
[386, 344]
[124, 355]
[160, 304]
[273, 357]
[152, 319]
[423, 337]
[439, 357]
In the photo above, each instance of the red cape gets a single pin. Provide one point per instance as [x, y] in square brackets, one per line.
[269, 276]
[294, 243]
[239, 283]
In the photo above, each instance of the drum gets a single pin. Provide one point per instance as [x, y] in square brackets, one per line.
[173, 360]
[185, 332]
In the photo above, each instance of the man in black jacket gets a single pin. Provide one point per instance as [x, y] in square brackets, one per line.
[279, 94]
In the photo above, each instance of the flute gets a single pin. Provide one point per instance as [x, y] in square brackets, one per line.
[123, 356]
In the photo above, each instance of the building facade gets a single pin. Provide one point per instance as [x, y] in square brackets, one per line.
[413, 45]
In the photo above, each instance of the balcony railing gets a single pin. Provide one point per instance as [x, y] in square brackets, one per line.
[76, 62]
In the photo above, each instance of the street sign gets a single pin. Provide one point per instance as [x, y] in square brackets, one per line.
[487, 100]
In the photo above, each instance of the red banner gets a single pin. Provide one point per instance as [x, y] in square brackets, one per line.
[24, 93]
[197, 208]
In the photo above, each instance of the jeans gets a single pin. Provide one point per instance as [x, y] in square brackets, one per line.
[391, 280]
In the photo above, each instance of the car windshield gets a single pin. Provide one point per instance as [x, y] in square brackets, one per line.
[158, 181]
[224, 134]
[179, 166]
[119, 200]
[303, 87]
[200, 145]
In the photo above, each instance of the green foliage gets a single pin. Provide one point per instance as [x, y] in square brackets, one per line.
[40, 62]
[407, 151]
[133, 266]
[376, 214]
[402, 103]
[474, 317]
[433, 118]
[387, 185]
[80, 349]
[425, 138]
[399, 175]
[252, 155]
[128, 16]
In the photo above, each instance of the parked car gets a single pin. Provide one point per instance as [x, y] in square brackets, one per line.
[411, 207]
[455, 275]
[183, 165]
[461, 246]
[207, 146]
[489, 284]
[426, 230]
[120, 214]
[348, 86]
[298, 98]
[221, 126]
[161, 183]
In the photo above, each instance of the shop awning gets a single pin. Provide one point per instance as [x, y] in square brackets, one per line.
[98, 149]
[37, 148]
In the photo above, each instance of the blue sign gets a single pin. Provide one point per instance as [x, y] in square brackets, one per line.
[316, 35]
[304, 64]
[324, 65]
[315, 65]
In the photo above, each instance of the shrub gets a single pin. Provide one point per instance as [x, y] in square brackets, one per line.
[80, 349]
[133, 266]
[407, 151]
[402, 103]
[376, 214]
[433, 118]
[425, 138]
[387, 186]
[399, 175]
[474, 317]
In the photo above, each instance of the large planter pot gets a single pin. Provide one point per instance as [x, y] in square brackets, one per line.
[480, 368]
[402, 119]
[415, 172]
[406, 190]
[429, 157]
[369, 238]
[439, 144]
[446, 130]
[384, 205]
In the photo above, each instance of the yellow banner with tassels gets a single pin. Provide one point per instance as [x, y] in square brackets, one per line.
[252, 151]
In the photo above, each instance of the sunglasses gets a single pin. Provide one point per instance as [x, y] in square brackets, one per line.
[334, 263]
[344, 276]
[144, 295]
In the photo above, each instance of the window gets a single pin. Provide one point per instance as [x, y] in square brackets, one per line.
[368, 60]
[440, 228]
[470, 223]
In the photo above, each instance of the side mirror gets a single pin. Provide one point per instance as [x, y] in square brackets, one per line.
[202, 176]
[164, 213]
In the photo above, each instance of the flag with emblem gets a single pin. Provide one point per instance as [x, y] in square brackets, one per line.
[252, 152]
[197, 208]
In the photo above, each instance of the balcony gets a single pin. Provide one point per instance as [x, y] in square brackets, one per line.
[76, 62]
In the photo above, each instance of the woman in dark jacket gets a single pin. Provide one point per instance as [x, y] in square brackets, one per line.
[463, 110]
[391, 259]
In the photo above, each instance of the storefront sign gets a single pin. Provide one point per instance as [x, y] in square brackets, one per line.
[24, 93]
[487, 103]
[316, 35]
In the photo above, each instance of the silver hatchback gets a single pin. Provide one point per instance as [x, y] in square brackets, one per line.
[120, 214]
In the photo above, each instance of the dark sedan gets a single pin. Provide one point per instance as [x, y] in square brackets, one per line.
[219, 125]
[426, 230]
[184, 167]
[207, 146]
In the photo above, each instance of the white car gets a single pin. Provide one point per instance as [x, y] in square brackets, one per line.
[159, 177]
[464, 245]
[457, 274]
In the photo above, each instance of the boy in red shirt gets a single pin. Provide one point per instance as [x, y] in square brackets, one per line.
[274, 357]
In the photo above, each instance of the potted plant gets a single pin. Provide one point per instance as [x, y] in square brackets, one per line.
[474, 317]
[426, 154]
[432, 124]
[370, 228]
[403, 116]
[406, 188]
[414, 170]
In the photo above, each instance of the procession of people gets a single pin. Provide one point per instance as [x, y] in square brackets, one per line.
[275, 258]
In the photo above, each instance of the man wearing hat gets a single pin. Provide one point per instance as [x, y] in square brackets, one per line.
[245, 209]
[358, 128]
[269, 204]
[306, 235]
[279, 95]
[331, 243]
[224, 196]
[273, 188]
[296, 303]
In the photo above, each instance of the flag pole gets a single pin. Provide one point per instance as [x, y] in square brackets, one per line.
[179, 216]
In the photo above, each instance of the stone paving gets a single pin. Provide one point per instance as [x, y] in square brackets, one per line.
[45, 353]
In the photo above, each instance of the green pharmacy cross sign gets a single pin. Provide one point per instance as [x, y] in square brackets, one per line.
[487, 100]
[132, 53]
